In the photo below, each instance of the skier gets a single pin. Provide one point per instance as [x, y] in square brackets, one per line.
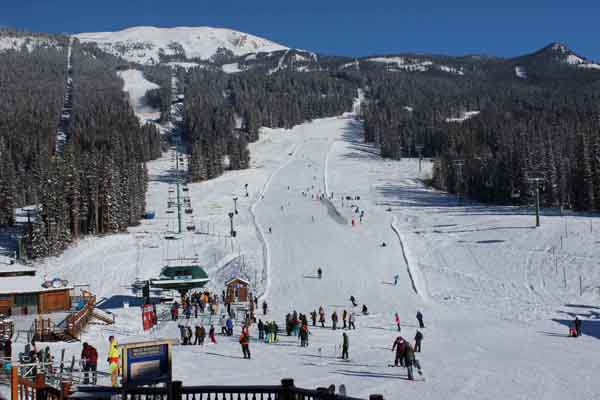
[353, 222]
[344, 346]
[362, 214]
[114, 356]
[320, 273]
[418, 340]
[577, 326]
[89, 357]
[188, 335]
[365, 311]
[197, 335]
[409, 359]
[398, 321]
[420, 319]
[351, 320]
[304, 336]
[245, 342]
[313, 317]
[270, 230]
[396, 277]
[322, 316]
[261, 330]
[229, 326]
[399, 346]
[334, 319]
[211, 334]
[344, 317]
[264, 307]
[353, 301]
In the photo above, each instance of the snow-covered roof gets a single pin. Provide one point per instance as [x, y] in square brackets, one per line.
[26, 284]
[15, 268]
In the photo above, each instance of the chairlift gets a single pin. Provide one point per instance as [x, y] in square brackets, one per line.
[170, 211]
[191, 228]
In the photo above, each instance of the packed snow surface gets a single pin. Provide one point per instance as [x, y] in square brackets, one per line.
[136, 85]
[144, 44]
[497, 293]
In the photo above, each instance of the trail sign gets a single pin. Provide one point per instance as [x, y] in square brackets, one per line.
[146, 362]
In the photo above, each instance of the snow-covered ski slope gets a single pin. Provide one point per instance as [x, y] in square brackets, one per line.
[495, 303]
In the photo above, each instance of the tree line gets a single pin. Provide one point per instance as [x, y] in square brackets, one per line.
[98, 184]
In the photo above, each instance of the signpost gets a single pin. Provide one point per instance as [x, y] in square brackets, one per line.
[146, 363]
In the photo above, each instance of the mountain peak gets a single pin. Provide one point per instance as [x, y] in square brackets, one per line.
[146, 44]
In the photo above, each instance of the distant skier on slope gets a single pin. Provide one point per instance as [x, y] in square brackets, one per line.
[353, 301]
[345, 346]
[320, 273]
[313, 317]
[418, 340]
[397, 321]
[396, 277]
[365, 310]
[334, 320]
[420, 319]
[264, 307]
[398, 346]
[322, 316]
[351, 318]
[577, 326]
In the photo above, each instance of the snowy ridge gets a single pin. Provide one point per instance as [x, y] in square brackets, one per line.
[145, 44]
[403, 63]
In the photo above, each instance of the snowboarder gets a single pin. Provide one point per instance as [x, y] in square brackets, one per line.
[418, 340]
[313, 317]
[245, 342]
[420, 319]
[344, 318]
[320, 273]
[334, 320]
[351, 320]
[396, 277]
[344, 346]
[89, 358]
[577, 326]
[398, 321]
[264, 307]
[399, 346]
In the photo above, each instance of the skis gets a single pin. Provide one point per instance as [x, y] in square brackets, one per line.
[421, 378]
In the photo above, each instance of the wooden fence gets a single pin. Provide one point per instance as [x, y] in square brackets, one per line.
[175, 391]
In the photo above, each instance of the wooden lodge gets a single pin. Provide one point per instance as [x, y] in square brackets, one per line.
[22, 292]
[237, 291]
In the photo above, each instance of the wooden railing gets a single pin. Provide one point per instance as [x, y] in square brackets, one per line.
[47, 330]
[35, 388]
[76, 322]
[175, 391]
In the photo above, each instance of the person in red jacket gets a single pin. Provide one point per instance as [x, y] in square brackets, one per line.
[245, 342]
[89, 358]
[398, 321]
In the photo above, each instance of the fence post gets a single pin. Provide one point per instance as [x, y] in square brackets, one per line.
[375, 397]
[287, 386]
[40, 383]
[174, 390]
[14, 383]
[65, 390]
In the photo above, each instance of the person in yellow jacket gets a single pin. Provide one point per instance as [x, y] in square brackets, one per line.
[114, 360]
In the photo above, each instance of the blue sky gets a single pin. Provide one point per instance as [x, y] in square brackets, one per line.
[355, 28]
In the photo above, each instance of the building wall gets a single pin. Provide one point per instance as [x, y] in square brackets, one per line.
[54, 301]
